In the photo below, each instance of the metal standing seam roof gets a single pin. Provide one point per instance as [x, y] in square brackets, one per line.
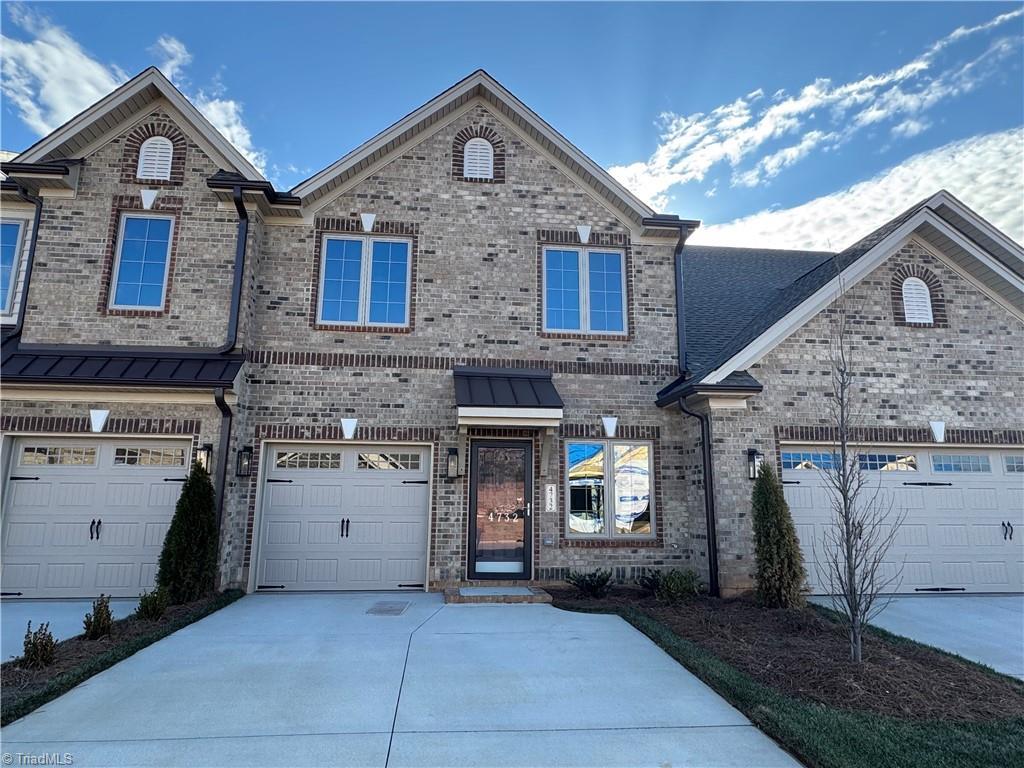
[505, 388]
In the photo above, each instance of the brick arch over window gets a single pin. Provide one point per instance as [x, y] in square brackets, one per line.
[133, 143]
[938, 297]
[459, 153]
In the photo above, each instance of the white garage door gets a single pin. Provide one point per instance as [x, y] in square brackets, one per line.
[344, 517]
[964, 526]
[88, 516]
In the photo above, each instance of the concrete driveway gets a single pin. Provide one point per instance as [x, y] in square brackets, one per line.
[65, 617]
[984, 628]
[316, 680]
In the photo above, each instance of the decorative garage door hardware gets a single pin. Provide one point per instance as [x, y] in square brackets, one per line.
[940, 589]
[22, 477]
[1007, 529]
[930, 485]
[276, 480]
[415, 482]
[270, 586]
[94, 528]
[345, 522]
[175, 479]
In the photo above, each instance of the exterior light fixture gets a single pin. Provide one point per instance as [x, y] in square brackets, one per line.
[754, 461]
[453, 463]
[98, 419]
[611, 424]
[243, 462]
[367, 220]
[348, 428]
[938, 430]
[204, 454]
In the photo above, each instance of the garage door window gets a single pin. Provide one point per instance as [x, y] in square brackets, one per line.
[1014, 462]
[960, 463]
[76, 456]
[888, 462]
[149, 457]
[401, 461]
[308, 460]
[808, 460]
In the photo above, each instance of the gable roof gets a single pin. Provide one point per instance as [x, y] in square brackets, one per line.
[477, 85]
[120, 107]
[735, 314]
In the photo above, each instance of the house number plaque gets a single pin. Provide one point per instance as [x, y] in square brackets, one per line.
[550, 497]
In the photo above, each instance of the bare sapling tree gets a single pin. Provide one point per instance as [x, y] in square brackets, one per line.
[854, 565]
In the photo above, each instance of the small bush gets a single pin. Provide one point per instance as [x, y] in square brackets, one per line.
[677, 584]
[650, 582]
[780, 571]
[40, 647]
[188, 561]
[98, 623]
[592, 584]
[152, 604]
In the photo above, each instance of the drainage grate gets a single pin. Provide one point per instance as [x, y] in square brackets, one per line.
[388, 608]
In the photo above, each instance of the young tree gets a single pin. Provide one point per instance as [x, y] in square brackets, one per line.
[863, 523]
[780, 571]
[188, 562]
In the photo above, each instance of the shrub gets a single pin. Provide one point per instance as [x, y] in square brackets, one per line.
[188, 562]
[780, 571]
[650, 581]
[98, 623]
[591, 584]
[677, 584]
[152, 604]
[40, 647]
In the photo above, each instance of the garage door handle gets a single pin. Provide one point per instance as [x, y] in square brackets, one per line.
[929, 485]
[1011, 531]
[92, 530]
[275, 480]
[22, 477]
[415, 482]
[99, 525]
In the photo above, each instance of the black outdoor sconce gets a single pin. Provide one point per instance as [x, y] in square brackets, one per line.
[754, 460]
[204, 454]
[453, 464]
[243, 465]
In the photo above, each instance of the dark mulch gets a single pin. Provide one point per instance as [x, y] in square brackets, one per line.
[804, 654]
[78, 658]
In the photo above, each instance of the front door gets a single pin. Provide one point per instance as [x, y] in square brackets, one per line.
[501, 509]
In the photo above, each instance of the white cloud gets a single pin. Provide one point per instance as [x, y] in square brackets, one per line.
[910, 128]
[985, 172]
[51, 78]
[690, 146]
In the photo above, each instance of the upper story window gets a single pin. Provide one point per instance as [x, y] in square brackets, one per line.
[917, 301]
[10, 239]
[155, 156]
[609, 487]
[584, 291]
[365, 281]
[478, 159]
[143, 260]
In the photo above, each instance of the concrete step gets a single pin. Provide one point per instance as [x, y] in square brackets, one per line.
[495, 594]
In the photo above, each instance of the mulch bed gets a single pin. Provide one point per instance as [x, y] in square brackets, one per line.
[804, 654]
[18, 684]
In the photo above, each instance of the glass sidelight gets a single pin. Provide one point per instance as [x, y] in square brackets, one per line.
[501, 504]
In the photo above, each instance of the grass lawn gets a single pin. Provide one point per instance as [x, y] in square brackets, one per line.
[824, 722]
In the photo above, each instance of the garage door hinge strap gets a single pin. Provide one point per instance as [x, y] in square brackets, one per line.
[270, 586]
[22, 477]
[415, 482]
[929, 485]
[275, 480]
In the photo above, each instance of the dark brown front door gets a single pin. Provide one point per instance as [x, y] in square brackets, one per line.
[501, 509]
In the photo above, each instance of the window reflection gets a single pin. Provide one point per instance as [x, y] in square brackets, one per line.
[586, 487]
[632, 489]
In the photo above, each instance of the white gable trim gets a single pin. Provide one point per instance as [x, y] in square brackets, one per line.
[852, 275]
[135, 87]
[944, 198]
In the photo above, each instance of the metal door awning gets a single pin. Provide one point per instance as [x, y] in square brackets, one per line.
[508, 397]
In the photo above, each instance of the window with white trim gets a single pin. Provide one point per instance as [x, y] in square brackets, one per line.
[386, 461]
[143, 261]
[149, 457]
[308, 460]
[609, 489]
[809, 460]
[365, 281]
[584, 290]
[65, 455]
[888, 462]
[917, 301]
[960, 462]
[10, 242]
[1014, 462]
[155, 157]
[478, 159]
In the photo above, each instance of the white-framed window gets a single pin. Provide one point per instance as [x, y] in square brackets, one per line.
[64, 455]
[478, 159]
[389, 461]
[149, 457]
[888, 462]
[809, 460]
[143, 262]
[960, 462]
[308, 460]
[917, 301]
[365, 281]
[585, 290]
[609, 489]
[1014, 462]
[155, 156]
[10, 258]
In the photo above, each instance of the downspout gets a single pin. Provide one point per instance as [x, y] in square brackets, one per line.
[709, 496]
[38, 203]
[680, 301]
[236, 287]
[222, 452]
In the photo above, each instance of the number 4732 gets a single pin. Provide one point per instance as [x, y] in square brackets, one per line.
[502, 517]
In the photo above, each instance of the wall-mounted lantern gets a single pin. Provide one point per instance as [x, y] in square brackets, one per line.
[243, 462]
[754, 461]
[348, 428]
[98, 419]
[611, 425]
[204, 455]
[452, 469]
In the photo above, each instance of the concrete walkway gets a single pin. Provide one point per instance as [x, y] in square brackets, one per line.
[315, 680]
[65, 617]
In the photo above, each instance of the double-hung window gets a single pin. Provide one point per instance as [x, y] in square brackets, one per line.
[609, 489]
[10, 239]
[364, 281]
[143, 261]
[584, 290]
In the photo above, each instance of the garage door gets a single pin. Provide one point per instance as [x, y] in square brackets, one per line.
[964, 526]
[84, 517]
[343, 517]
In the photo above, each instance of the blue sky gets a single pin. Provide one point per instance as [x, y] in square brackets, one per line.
[761, 119]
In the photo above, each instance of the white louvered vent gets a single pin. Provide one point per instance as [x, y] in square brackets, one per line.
[917, 301]
[478, 160]
[155, 158]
